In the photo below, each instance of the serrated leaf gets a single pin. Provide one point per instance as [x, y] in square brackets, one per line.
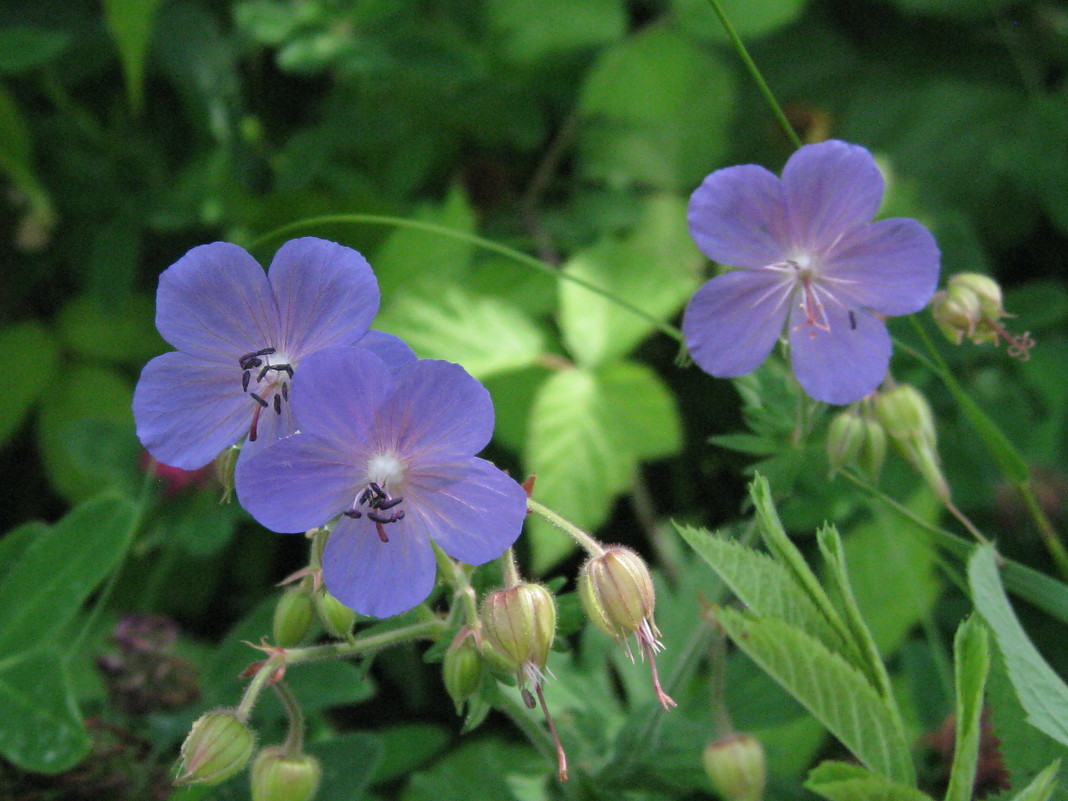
[655, 267]
[536, 29]
[656, 110]
[40, 727]
[1043, 785]
[484, 335]
[762, 584]
[841, 781]
[863, 645]
[576, 457]
[57, 571]
[1040, 690]
[835, 692]
[971, 664]
[647, 420]
[130, 25]
[31, 359]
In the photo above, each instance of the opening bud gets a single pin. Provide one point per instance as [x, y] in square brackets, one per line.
[217, 747]
[736, 767]
[617, 593]
[293, 617]
[462, 669]
[520, 623]
[278, 776]
[336, 618]
[971, 307]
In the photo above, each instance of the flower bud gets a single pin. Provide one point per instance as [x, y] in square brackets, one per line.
[293, 617]
[983, 288]
[520, 623]
[908, 419]
[336, 618]
[217, 747]
[736, 767]
[957, 312]
[278, 776]
[462, 669]
[855, 438]
[617, 592]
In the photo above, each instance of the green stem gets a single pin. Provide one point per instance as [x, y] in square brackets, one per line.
[426, 629]
[1011, 464]
[460, 581]
[294, 743]
[474, 239]
[263, 676]
[754, 71]
[591, 546]
[130, 536]
[510, 570]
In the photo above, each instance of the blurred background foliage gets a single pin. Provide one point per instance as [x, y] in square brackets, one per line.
[132, 130]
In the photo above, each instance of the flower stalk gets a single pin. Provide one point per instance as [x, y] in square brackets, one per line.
[588, 543]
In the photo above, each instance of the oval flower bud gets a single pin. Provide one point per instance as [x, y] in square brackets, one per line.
[983, 288]
[908, 419]
[293, 617]
[462, 669]
[957, 312]
[217, 747]
[855, 438]
[736, 767]
[617, 593]
[520, 624]
[336, 618]
[278, 776]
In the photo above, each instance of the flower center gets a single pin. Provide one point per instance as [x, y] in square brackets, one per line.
[271, 372]
[383, 470]
[811, 303]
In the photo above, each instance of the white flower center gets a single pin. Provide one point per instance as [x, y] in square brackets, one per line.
[388, 471]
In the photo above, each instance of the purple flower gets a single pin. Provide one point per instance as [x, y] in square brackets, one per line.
[240, 334]
[392, 452]
[809, 259]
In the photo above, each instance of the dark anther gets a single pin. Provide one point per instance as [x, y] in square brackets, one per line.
[285, 391]
[245, 377]
[263, 372]
[353, 513]
[398, 515]
[852, 321]
[281, 368]
[383, 505]
[377, 490]
[528, 698]
[277, 404]
[393, 518]
[259, 400]
[247, 360]
[364, 496]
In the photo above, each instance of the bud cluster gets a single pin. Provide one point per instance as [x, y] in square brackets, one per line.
[855, 436]
[971, 306]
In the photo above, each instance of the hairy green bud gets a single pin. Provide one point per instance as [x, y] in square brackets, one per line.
[336, 618]
[519, 625]
[278, 776]
[293, 617]
[736, 767]
[217, 747]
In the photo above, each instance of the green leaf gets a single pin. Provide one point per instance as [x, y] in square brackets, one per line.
[576, 456]
[863, 644]
[647, 421]
[482, 770]
[124, 333]
[1040, 690]
[655, 267]
[656, 110]
[199, 524]
[749, 18]
[971, 653]
[87, 396]
[410, 257]
[537, 29]
[31, 360]
[891, 569]
[16, 150]
[1043, 785]
[130, 25]
[787, 554]
[842, 781]
[23, 47]
[485, 335]
[40, 727]
[835, 692]
[349, 761]
[15, 542]
[406, 747]
[45, 588]
[762, 584]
